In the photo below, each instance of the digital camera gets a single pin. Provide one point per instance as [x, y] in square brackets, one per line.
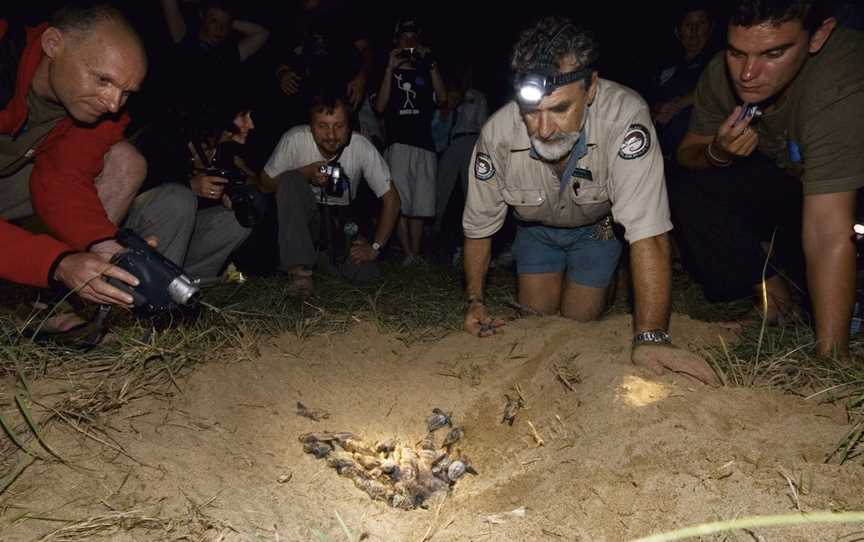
[337, 180]
[409, 53]
[241, 194]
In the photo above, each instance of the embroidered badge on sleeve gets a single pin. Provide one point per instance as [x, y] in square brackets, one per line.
[636, 142]
[483, 168]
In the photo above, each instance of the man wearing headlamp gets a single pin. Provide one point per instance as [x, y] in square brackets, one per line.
[571, 154]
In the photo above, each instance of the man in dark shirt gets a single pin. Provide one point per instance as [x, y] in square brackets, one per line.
[409, 88]
[804, 74]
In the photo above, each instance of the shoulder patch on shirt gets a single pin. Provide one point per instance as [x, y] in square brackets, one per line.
[483, 168]
[636, 142]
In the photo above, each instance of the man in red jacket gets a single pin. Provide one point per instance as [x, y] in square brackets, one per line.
[62, 154]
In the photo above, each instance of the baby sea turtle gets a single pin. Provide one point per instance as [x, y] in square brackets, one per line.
[453, 437]
[459, 467]
[317, 448]
[512, 408]
[438, 419]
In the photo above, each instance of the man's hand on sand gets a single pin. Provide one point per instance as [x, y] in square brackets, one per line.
[479, 323]
[661, 358]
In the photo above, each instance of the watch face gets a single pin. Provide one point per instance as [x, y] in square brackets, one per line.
[376, 246]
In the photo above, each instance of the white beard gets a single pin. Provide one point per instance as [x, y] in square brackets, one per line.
[553, 150]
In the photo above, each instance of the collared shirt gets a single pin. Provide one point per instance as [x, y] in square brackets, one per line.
[621, 172]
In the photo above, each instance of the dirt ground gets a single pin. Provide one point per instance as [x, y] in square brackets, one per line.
[626, 454]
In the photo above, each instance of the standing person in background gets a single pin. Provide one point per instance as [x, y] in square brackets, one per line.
[407, 96]
[470, 115]
[210, 57]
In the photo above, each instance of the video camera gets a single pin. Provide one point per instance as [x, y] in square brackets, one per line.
[162, 283]
[337, 181]
[241, 194]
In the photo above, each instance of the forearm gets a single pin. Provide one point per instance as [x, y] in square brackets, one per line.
[438, 83]
[384, 91]
[476, 255]
[390, 204]
[255, 36]
[831, 278]
[651, 269]
[367, 58]
[174, 20]
[830, 258]
[694, 156]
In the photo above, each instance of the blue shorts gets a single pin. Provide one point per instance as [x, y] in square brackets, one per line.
[589, 262]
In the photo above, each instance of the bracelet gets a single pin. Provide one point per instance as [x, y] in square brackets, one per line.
[652, 336]
[714, 160]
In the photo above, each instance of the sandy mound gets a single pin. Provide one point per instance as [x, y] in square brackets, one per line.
[625, 454]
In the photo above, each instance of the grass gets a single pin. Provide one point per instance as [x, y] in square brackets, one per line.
[81, 390]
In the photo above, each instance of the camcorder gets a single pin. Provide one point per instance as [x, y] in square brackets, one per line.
[242, 194]
[337, 181]
[162, 283]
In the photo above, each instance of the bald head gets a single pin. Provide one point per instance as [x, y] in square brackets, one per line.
[93, 61]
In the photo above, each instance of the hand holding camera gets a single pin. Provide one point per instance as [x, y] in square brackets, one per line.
[161, 284]
[208, 186]
[736, 136]
[337, 181]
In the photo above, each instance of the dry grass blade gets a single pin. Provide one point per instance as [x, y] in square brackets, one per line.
[13, 436]
[104, 525]
[25, 412]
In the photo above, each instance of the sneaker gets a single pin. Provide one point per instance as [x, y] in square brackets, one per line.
[411, 261]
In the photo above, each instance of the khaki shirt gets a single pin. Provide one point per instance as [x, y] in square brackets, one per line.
[623, 158]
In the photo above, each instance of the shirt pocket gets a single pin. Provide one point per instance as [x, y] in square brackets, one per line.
[589, 194]
[524, 197]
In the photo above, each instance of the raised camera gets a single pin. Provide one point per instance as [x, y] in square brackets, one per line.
[337, 180]
[241, 194]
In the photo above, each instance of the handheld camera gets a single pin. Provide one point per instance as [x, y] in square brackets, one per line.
[241, 194]
[337, 181]
[163, 284]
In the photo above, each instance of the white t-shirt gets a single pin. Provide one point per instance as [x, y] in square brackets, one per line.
[359, 160]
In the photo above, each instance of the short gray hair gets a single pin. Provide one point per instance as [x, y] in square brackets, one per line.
[541, 46]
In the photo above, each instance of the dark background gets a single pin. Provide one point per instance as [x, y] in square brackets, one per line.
[635, 37]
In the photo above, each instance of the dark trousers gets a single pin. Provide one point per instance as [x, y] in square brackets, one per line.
[721, 217]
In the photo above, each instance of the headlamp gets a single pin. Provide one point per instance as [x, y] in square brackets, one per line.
[532, 87]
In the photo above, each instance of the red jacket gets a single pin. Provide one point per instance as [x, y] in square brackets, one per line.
[66, 162]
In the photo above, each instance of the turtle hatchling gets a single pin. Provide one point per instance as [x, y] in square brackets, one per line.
[392, 470]
[438, 419]
[454, 436]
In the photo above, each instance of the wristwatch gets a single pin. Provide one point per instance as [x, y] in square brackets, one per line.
[652, 336]
[376, 246]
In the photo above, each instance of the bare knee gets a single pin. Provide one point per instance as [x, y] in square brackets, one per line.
[123, 166]
[583, 314]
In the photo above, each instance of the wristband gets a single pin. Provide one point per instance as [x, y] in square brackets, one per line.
[714, 160]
